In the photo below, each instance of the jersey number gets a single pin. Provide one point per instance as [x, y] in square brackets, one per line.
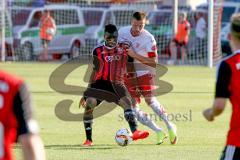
[1, 141]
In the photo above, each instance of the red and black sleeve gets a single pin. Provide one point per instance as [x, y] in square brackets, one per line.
[223, 80]
[22, 108]
[95, 60]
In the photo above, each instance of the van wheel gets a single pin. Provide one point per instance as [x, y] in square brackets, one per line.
[75, 50]
[27, 51]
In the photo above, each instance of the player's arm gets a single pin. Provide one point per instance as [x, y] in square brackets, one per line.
[94, 65]
[222, 92]
[151, 49]
[93, 69]
[41, 22]
[130, 66]
[32, 145]
[188, 28]
[150, 61]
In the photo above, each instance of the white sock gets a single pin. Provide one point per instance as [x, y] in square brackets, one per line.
[144, 119]
[160, 111]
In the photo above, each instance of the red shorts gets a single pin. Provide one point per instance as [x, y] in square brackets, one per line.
[180, 44]
[142, 85]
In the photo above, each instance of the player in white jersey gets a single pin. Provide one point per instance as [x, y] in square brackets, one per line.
[143, 52]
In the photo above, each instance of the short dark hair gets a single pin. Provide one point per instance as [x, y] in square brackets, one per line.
[110, 28]
[139, 15]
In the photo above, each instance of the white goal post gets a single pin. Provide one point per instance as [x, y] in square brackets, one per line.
[2, 38]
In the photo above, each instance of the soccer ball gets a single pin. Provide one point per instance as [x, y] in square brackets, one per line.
[123, 137]
[51, 31]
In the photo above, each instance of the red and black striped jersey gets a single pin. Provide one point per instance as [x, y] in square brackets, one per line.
[15, 112]
[228, 86]
[110, 63]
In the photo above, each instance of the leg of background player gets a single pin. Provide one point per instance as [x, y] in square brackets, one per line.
[144, 119]
[159, 110]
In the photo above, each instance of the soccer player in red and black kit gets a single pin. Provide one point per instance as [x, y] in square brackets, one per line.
[16, 120]
[107, 83]
[228, 86]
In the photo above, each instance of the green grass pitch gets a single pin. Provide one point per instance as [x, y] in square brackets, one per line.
[192, 92]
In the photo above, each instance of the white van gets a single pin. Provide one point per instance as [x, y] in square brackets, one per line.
[229, 8]
[96, 18]
[69, 36]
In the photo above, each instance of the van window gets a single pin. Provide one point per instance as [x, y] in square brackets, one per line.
[63, 17]
[19, 16]
[35, 19]
[92, 17]
[108, 18]
[157, 18]
[227, 13]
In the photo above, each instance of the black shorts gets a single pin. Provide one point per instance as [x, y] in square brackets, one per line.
[231, 153]
[180, 44]
[45, 42]
[106, 90]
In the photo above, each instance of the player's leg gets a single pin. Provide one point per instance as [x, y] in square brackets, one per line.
[125, 101]
[46, 50]
[142, 117]
[146, 120]
[43, 55]
[130, 117]
[146, 86]
[183, 52]
[173, 50]
[160, 111]
[91, 103]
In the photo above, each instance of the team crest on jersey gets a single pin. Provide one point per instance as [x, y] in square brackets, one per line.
[112, 58]
[154, 48]
[137, 45]
[120, 50]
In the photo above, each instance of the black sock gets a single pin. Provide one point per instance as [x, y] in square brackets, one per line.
[88, 130]
[131, 119]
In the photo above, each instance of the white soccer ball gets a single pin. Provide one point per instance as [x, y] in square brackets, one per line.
[123, 137]
[51, 31]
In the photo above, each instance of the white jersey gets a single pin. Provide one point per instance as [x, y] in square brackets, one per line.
[201, 28]
[144, 45]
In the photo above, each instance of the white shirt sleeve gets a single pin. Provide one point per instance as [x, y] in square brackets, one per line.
[151, 47]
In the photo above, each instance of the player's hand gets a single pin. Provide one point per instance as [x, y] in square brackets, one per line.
[82, 103]
[130, 52]
[126, 46]
[208, 114]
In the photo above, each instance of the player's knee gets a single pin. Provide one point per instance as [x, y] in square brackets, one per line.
[172, 44]
[150, 100]
[125, 102]
[91, 102]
